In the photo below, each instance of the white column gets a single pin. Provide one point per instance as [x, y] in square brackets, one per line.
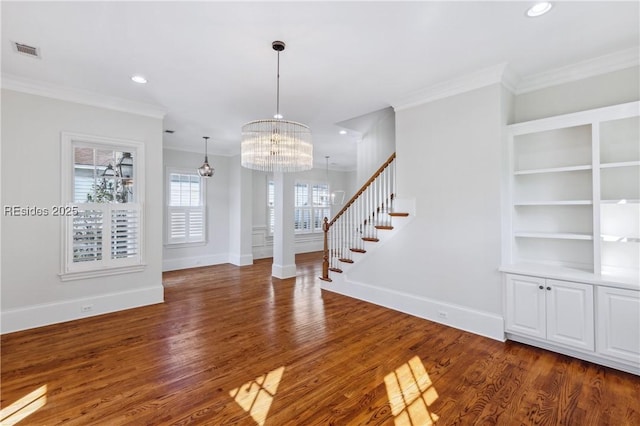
[284, 259]
[240, 214]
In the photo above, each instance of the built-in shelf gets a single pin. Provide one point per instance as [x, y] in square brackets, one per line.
[619, 239]
[554, 235]
[620, 201]
[571, 252]
[574, 191]
[554, 203]
[553, 170]
[620, 164]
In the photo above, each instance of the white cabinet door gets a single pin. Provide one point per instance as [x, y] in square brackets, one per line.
[619, 324]
[525, 305]
[570, 314]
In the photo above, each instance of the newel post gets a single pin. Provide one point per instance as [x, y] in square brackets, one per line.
[325, 261]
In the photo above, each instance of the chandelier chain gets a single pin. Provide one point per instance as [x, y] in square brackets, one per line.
[278, 88]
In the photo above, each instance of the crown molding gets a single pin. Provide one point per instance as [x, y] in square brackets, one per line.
[500, 73]
[504, 74]
[49, 90]
[592, 67]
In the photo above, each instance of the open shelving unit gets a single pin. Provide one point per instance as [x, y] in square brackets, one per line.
[571, 247]
[574, 196]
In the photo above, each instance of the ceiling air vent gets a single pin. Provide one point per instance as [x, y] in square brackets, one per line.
[25, 49]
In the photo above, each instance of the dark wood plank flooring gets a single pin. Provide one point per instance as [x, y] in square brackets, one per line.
[233, 346]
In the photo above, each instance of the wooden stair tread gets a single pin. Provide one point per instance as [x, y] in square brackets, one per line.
[342, 259]
[370, 239]
[358, 250]
[338, 270]
[326, 279]
[387, 227]
[398, 214]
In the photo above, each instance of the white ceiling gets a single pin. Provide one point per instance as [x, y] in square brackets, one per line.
[211, 67]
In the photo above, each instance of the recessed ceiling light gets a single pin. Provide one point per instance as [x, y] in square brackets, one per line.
[539, 9]
[343, 132]
[139, 79]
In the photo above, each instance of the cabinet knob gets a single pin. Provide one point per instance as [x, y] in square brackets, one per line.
[541, 288]
[548, 288]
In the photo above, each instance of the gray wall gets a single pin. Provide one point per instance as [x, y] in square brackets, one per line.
[32, 292]
[603, 90]
[449, 159]
[216, 249]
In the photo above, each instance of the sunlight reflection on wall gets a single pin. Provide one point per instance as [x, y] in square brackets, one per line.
[410, 393]
[255, 397]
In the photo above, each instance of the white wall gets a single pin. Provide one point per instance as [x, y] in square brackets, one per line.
[32, 292]
[377, 144]
[240, 211]
[449, 159]
[603, 90]
[216, 249]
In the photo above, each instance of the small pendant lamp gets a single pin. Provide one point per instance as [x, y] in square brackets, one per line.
[206, 170]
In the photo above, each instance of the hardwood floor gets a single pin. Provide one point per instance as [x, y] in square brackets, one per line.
[232, 345]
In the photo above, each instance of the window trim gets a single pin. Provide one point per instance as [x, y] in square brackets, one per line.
[68, 140]
[312, 209]
[299, 234]
[203, 205]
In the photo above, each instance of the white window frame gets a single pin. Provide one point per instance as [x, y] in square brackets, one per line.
[188, 211]
[71, 270]
[311, 208]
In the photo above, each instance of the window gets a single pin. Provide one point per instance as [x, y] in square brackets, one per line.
[311, 206]
[103, 228]
[185, 207]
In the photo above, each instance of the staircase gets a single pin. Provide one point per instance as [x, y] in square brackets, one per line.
[368, 212]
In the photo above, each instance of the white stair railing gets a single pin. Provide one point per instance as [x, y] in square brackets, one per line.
[359, 220]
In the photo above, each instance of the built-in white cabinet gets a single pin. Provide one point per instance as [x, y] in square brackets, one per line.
[571, 234]
[619, 324]
[556, 311]
[589, 321]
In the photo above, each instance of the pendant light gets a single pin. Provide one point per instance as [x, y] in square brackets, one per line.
[276, 145]
[206, 170]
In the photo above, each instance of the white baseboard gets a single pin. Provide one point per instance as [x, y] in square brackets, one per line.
[240, 260]
[193, 262]
[283, 271]
[460, 317]
[623, 365]
[68, 310]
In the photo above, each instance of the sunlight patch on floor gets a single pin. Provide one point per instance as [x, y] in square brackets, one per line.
[410, 393]
[24, 407]
[255, 397]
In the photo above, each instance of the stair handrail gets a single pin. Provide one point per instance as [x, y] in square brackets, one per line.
[362, 189]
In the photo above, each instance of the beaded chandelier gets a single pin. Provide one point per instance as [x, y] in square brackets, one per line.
[276, 145]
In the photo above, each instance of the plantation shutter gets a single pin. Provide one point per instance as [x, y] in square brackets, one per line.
[87, 235]
[186, 212]
[105, 235]
[186, 224]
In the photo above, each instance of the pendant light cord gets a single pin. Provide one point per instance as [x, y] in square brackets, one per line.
[278, 89]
